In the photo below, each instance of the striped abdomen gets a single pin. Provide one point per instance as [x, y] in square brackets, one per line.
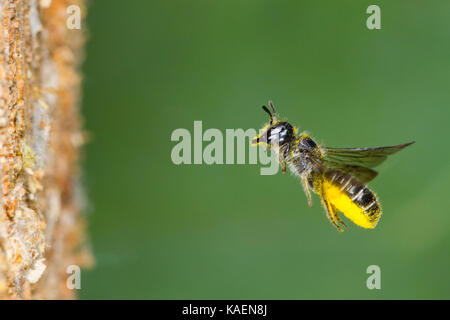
[352, 198]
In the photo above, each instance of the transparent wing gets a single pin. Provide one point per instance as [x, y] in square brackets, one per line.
[360, 157]
[363, 174]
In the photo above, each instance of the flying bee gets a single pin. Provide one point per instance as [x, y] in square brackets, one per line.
[337, 175]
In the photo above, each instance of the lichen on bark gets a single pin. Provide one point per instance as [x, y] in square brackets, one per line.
[41, 228]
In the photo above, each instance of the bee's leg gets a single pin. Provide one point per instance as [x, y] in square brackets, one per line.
[283, 166]
[331, 214]
[338, 218]
[282, 163]
[282, 156]
[307, 192]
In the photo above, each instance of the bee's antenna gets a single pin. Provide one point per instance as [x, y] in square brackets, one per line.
[273, 108]
[270, 114]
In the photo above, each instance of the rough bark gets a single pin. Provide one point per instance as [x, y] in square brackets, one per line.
[41, 229]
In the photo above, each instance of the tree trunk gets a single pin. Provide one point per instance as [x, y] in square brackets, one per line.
[41, 229]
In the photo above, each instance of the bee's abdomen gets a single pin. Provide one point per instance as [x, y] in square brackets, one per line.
[363, 199]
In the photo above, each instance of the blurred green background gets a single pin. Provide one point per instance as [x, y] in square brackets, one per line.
[161, 231]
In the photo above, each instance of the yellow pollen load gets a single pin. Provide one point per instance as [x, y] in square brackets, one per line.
[345, 204]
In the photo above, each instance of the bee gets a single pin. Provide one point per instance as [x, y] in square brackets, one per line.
[337, 175]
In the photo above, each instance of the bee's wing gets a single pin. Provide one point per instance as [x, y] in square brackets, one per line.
[361, 157]
[363, 174]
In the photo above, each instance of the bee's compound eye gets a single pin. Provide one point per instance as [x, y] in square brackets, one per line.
[290, 129]
[280, 133]
[275, 131]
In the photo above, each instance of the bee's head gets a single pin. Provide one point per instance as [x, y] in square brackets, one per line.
[275, 132]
